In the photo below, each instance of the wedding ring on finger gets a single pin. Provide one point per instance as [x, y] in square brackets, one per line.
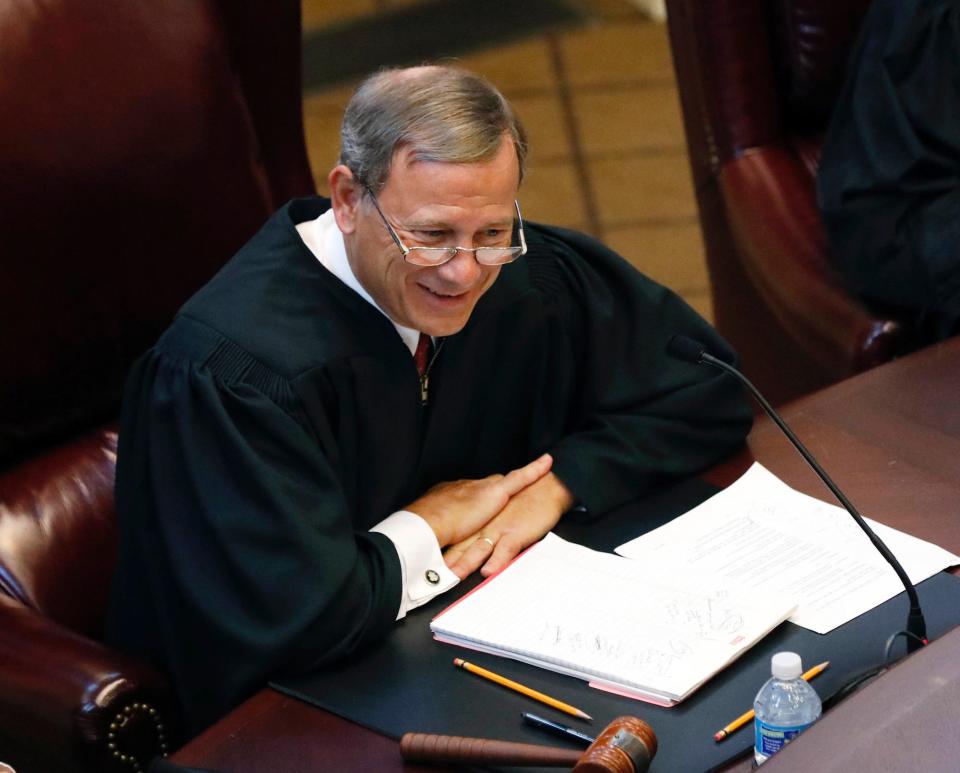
[489, 541]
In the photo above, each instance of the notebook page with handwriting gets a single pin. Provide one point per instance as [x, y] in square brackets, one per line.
[642, 630]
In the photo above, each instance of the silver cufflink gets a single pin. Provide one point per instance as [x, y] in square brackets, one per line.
[432, 577]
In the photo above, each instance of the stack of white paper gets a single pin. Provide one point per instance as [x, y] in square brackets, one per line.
[762, 532]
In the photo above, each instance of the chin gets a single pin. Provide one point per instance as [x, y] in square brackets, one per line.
[441, 317]
[439, 314]
[442, 328]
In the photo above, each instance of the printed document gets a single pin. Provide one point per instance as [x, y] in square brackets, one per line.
[761, 532]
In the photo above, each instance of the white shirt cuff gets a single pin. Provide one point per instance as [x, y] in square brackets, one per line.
[425, 575]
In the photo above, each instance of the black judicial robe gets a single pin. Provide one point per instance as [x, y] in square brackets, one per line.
[279, 418]
[889, 181]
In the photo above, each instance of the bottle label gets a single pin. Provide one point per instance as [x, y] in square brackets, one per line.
[769, 739]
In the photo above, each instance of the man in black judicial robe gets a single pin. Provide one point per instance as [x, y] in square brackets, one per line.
[286, 479]
[889, 181]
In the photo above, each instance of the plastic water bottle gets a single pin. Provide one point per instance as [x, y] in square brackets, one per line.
[785, 706]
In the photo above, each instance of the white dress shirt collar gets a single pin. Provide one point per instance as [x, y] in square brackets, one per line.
[324, 239]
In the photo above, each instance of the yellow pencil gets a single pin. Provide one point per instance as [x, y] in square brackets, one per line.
[537, 696]
[748, 715]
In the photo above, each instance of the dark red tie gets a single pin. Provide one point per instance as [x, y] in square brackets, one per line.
[422, 355]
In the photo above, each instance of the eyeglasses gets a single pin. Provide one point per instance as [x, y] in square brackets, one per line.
[437, 256]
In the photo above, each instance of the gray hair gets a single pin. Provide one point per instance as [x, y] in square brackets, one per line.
[440, 113]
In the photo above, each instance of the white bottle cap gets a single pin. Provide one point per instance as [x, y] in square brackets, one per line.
[786, 665]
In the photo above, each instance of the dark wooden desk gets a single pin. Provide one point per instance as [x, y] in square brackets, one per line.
[890, 438]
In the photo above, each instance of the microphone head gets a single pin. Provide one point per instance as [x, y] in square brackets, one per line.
[687, 349]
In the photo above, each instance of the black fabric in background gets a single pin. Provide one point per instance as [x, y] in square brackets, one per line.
[407, 683]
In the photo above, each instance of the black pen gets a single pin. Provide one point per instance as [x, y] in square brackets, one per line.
[556, 728]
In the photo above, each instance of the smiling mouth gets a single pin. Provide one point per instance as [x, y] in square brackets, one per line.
[438, 294]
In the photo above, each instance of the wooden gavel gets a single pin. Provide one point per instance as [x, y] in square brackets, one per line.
[626, 746]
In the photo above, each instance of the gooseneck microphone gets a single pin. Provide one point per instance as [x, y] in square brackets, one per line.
[687, 349]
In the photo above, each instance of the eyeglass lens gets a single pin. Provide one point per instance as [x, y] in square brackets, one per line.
[488, 256]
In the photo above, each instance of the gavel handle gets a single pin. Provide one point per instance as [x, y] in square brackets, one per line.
[423, 747]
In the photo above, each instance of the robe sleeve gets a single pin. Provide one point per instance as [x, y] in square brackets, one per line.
[642, 417]
[889, 179]
[238, 558]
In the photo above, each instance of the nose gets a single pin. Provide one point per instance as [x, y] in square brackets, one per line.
[461, 271]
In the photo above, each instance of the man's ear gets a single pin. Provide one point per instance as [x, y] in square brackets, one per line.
[346, 194]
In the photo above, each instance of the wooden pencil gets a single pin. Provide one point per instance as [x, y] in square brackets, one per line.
[520, 688]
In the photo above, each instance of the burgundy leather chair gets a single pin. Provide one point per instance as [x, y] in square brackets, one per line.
[757, 81]
[142, 142]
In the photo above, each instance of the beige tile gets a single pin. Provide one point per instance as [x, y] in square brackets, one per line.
[322, 112]
[622, 52]
[641, 117]
[671, 254]
[517, 67]
[546, 126]
[701, 303]
[337, 96]
[642, 189]
[551, 194]
[652, 9]
[322, 151]
[322, 13]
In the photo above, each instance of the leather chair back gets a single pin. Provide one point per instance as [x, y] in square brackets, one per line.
[58, 533]
[140, 147]
[758, 80]
[142, 143]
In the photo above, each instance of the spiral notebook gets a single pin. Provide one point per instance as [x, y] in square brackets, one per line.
[636, 629]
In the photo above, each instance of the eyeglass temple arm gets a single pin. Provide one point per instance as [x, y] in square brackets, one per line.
[393, 234]
[523, 239]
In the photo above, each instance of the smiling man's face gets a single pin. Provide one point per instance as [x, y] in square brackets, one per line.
[429, 203]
